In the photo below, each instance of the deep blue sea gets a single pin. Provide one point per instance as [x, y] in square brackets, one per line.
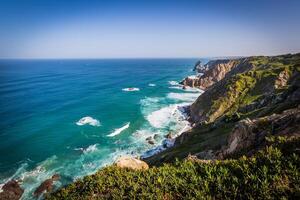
[73, 117]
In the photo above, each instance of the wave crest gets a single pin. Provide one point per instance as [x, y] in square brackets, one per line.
[131, 89]
[88, 120]
[119, 130]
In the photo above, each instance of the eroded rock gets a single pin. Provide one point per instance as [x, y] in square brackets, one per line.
[131, 163]
[11, 191]
[47, 185]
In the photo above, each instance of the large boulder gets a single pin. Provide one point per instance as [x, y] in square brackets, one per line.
[131, 163]
[11, 191]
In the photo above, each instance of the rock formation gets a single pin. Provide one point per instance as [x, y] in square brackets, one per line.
[46, 186]
[131, 163]
[248, 135]
[213, 72]
[11, 191]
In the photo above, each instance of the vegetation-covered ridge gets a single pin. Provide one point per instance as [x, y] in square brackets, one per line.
[253, 79]
[271, 172]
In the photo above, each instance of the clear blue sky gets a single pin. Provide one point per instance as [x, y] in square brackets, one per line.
[156, 28]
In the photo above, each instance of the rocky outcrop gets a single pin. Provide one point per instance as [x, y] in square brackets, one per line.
[213, 72]
[11, 191]
[46, 186]
[131, 163]
[249, 135]
[282, 79]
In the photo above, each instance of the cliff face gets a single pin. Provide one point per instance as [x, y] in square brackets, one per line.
[213, 72]
[249, 83]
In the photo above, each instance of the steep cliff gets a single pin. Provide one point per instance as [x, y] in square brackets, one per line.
[213, 72]
[253, 79]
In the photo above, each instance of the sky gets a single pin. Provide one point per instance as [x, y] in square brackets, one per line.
[148, 29]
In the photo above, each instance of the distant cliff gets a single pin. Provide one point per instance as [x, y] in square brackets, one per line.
[211, 73]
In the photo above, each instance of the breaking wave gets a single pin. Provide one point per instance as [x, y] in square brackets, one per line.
[88, 120]
[119, 130]
[131, 89]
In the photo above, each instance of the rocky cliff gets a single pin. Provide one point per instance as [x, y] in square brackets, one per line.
[255, 90]
[211, 73]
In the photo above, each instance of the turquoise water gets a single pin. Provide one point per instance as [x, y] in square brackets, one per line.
[41, 101]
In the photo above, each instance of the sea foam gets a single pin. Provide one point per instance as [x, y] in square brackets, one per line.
[151, 85]
[88, 120]
[173, 83]
[88, 149]
[131, 89]
[187, 97]
[119, 130]
[161, 117]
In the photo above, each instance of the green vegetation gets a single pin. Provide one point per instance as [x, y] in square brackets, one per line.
[271, 173]
[245, 88]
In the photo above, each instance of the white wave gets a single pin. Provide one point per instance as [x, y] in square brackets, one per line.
[173, 83]
[119, 130]
[149, 100]
[193, 77]
[89, 149]
[187, 97]
[88, 120]
[151, 84]
[131, 89]
[161, 118]
[187, 89]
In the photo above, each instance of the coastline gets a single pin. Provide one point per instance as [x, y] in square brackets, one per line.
[185, 113]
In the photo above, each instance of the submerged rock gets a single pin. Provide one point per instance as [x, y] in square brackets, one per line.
[46, 186]
[11, 191]
[151, 142]
[131, 163]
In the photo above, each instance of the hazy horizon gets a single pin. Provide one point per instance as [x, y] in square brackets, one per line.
[157, 29]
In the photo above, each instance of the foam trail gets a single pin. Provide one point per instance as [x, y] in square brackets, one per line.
[131, 89]
[90, 148]
[161, 118]
[187, 89]
[173, 83]
[119, 130]
[187, 97]
[151, 85]
[88, 120]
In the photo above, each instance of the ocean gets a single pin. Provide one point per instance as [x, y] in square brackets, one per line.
[72, 117]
